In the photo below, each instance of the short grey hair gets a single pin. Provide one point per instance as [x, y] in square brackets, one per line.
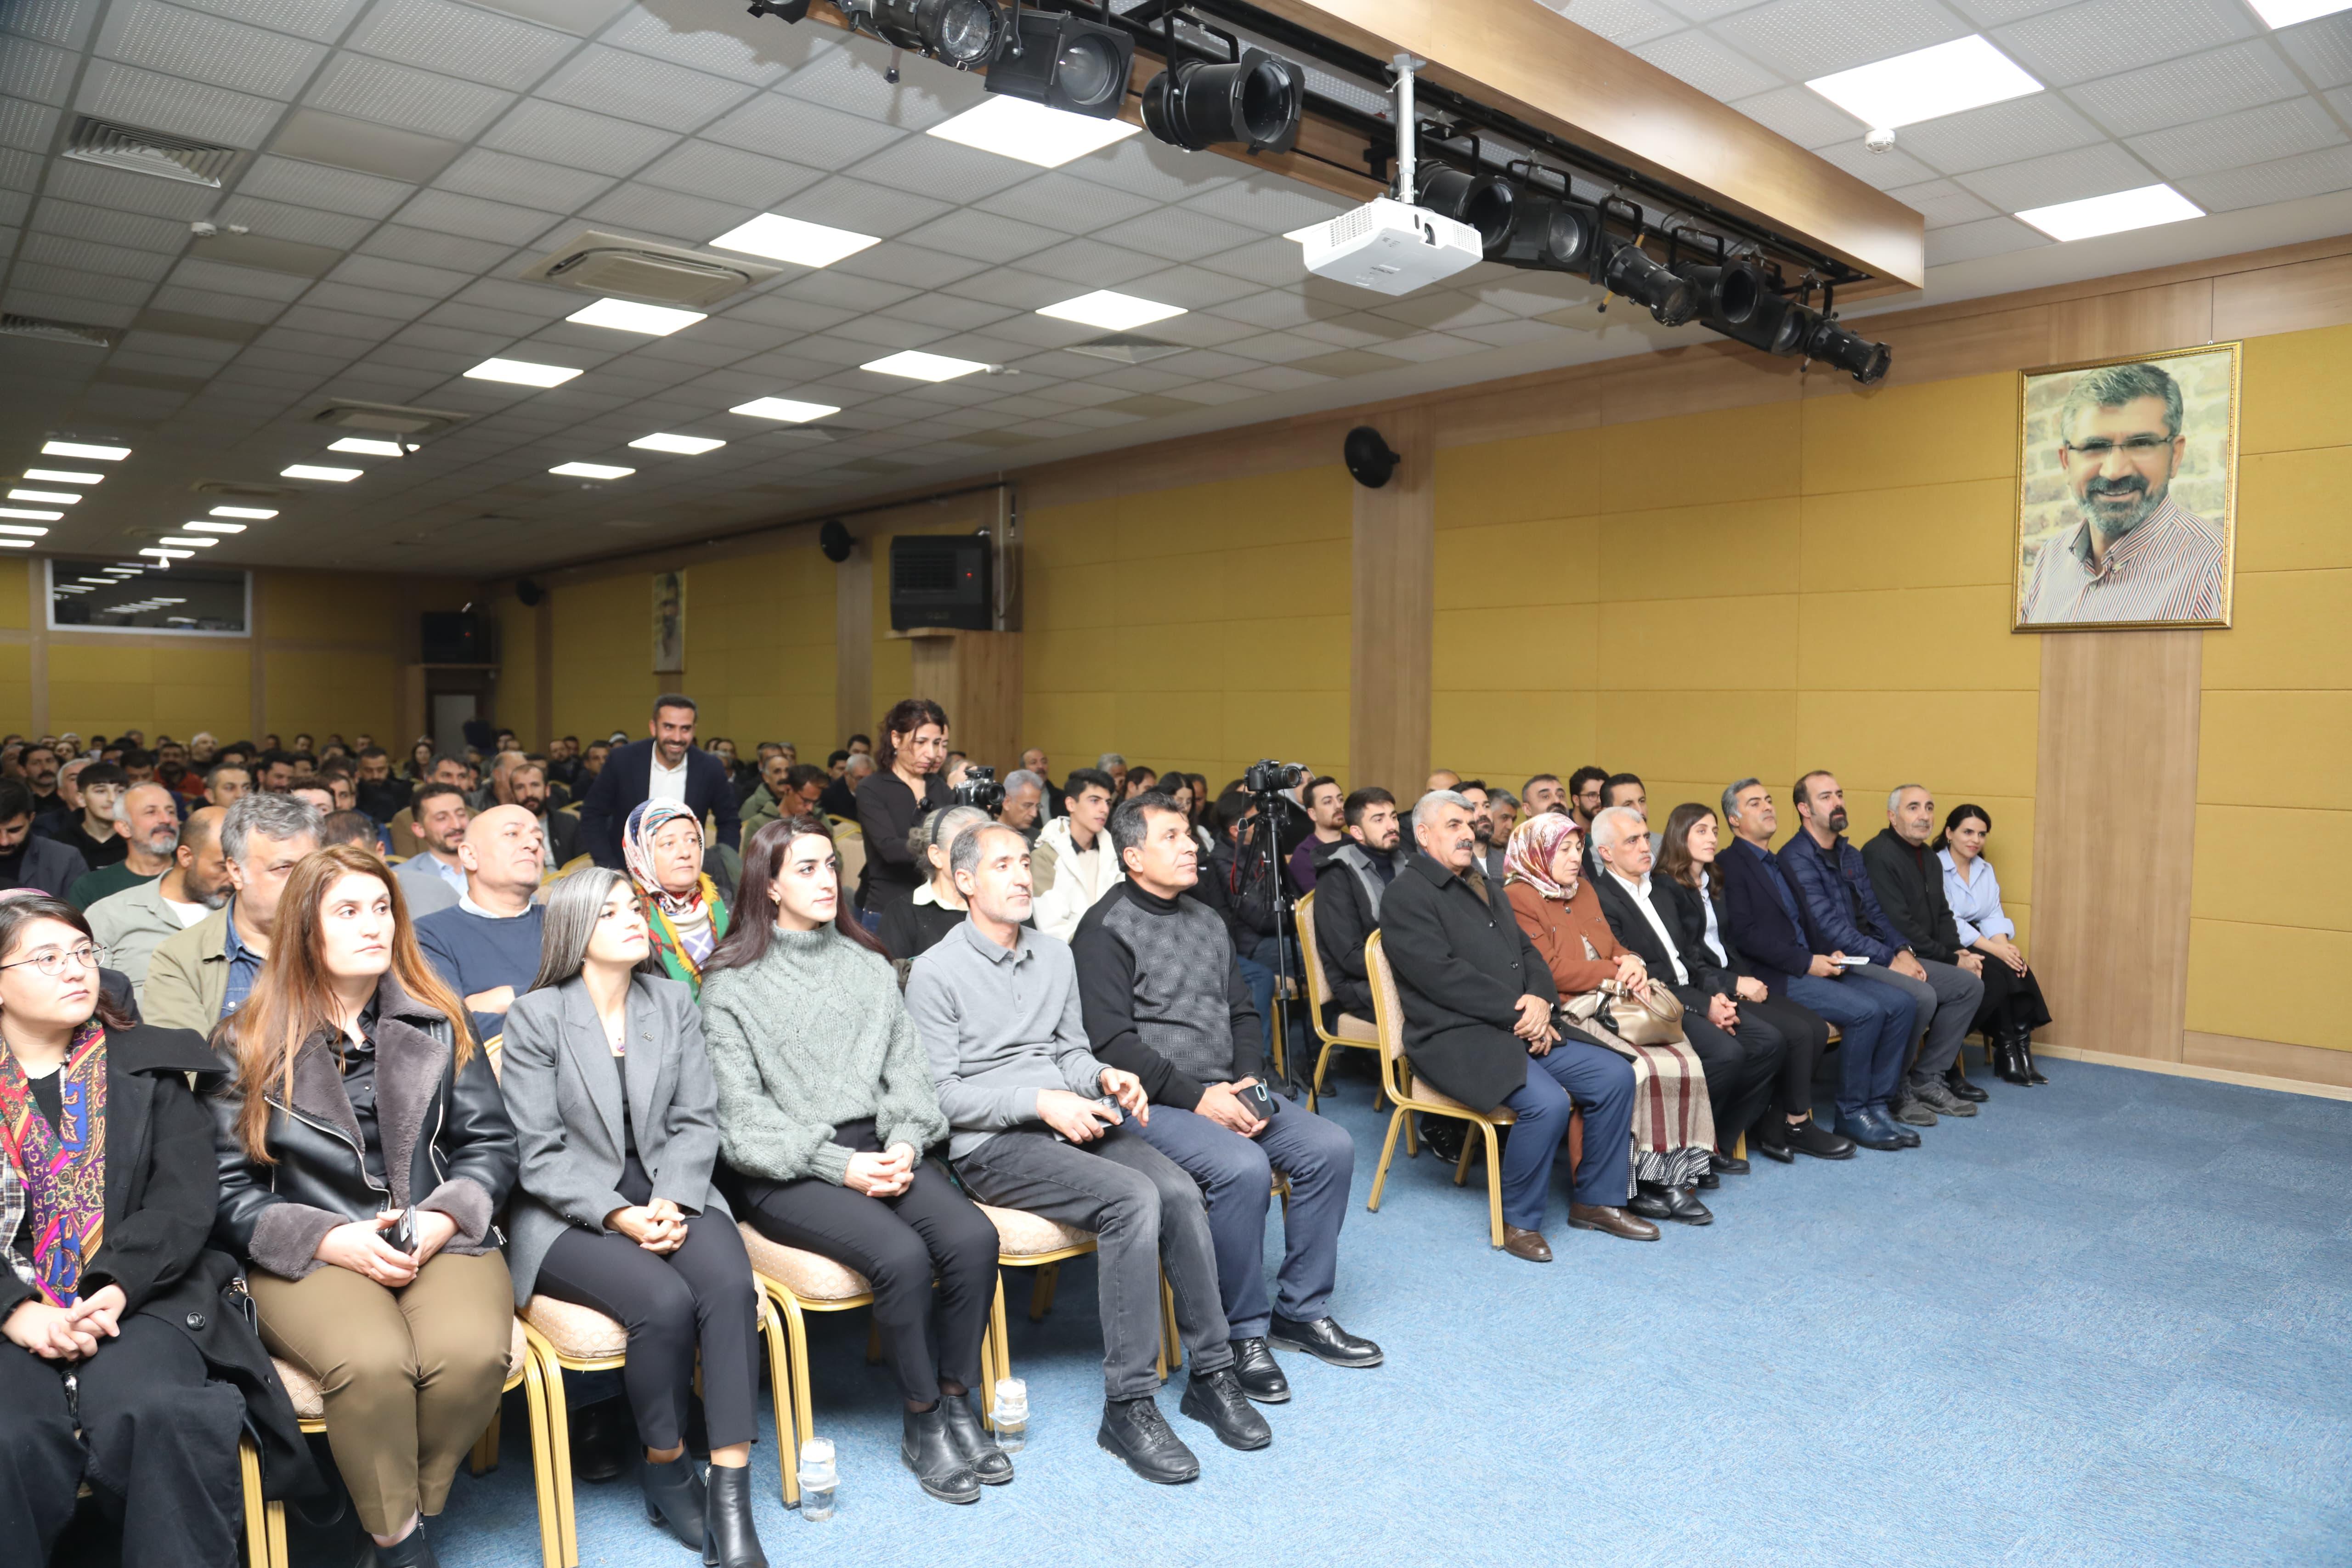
[1502, 797]
[1022, 778]
[1894, 796]
[1731, 797]
[964, 854]
[949, 823]
[121, 815]
[1426, 806]
[1613, 824]
[277, 817]
[859, 763]
[1110, 759]
[574, 904]
[2113, 385]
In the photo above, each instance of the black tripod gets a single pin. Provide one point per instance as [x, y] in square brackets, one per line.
[1262, 834]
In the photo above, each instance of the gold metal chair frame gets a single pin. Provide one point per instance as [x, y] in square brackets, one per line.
[1319, 993]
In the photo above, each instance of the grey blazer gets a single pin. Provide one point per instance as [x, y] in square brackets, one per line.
[563, 1088]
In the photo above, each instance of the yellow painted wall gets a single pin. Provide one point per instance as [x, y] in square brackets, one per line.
[1199, 629]
[15, 658]
[515, 705]
[2274, 763]
[104, 688]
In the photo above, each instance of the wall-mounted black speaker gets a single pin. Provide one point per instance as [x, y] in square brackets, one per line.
[452, 637]
[1367, 456]
[941, 580]
[833, 537]
[530, 593]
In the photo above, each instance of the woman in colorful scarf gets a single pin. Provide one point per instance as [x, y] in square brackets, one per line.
[1674, 1127]
[111, 1303]
[662, 844]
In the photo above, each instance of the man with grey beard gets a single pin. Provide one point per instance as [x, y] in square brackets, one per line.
[130, 925]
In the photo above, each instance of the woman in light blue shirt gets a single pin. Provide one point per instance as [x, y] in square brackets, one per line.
[2013, 1007]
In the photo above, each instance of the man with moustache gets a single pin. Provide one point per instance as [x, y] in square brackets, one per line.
[132, 923]
[147, 821]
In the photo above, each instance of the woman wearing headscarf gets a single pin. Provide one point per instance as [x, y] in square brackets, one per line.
[685, 917]
[1673, 1125]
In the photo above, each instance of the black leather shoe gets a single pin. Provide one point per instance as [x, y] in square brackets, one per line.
[1707, 1180]
[1728, 1165]
[1686, 1209]
[1260, 1373]
[1651, 1203]
[1809, 1137]
[927, 1450]
[1956, 1080]
[1870, 1131]
[728, 1540]
[601, 1434]
[2025, 1055]
[411, 1551]
[991, 1466]
[674, 1498]
[1216, 1398]
[1136, 1431]
[1779, 1153]
[1326, 1340]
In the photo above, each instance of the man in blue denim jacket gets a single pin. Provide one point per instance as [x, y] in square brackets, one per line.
[1842, 914]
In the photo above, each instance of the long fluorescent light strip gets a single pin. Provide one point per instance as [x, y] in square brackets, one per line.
[84, 450]
[26, 530]
[214, 527]
[521, 372]
[2116, 213]
[61, 496]
[361, 444]
[31, 515]
[63, 475]
[1016, 128]
[793, 239]
[190, 542]
[591, 471]
[1926, 84]
[313, 471]
[16, 544]
[259, 514]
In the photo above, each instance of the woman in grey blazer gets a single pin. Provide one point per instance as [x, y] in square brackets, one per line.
[617, 1117]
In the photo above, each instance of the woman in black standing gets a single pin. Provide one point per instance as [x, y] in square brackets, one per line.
[905, 788]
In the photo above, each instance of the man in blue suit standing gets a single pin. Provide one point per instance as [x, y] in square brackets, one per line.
[665, 766]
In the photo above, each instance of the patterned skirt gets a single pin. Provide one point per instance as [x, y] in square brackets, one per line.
[1674, 1124]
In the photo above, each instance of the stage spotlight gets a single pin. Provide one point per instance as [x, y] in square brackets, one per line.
[1065, 63]
[961, 33]
[1485, 201]
[1737, 299]
[1256, 100]
[1824, 339]
[1545, 235]
[1622, 266]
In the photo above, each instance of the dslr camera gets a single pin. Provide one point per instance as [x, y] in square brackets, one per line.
[979, 788]
[1270, 777]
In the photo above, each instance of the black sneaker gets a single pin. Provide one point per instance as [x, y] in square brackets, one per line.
[1260, 1374]
[1136, 1431]
[1809, 1137]
[1216, 1398]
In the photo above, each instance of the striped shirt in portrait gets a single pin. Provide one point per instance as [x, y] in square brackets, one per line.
[2172, 567]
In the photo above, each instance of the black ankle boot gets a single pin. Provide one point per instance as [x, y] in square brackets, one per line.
[2010, 1061]
[2025, 1055]
[676, 1498]
[411, 1551]
[728, 1540]
[929, 1450]
[991, 1466]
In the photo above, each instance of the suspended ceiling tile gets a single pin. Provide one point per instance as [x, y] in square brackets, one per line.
[1987, 236]
[460, 41]
[1709, 64]
[2093, 171]
[208, 48]
[563, 134]
[633, 86]
[730, 175]
[317, 185]
[2100, 37]
[2281, 180]
[409, 98]
[2251, 136]
[1998, 134]
[158, 102]
[1802, 115]
[1802, 39]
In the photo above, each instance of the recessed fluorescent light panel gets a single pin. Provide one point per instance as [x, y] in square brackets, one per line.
[82, 449]
[1111, 311]
[914, 365]
[684, 446]
[259, 514]
[31, 515]
[169, 555]
[214, 527]
[782, 238]
[591, 471]
[2094, 215]
[1016, 128]
[2287, 12]
[16, 544]
[367, 447]
[791, 410]
[1926, 84]
[313, 471]
[190, 542]
[25, 530]
[627, 316]
[62, 498]
[521, 372]
[63, 475]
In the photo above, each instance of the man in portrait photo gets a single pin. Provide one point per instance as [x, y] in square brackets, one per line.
[2134, 554]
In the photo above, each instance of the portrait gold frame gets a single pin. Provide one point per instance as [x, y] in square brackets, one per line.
[2229, 520]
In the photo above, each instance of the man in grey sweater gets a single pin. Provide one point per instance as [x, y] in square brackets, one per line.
[1039, 1125]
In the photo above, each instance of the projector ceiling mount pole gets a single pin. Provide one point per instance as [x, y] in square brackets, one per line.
[1405, 65]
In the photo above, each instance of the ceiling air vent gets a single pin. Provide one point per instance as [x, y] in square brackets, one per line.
[15, 326]
[598, 263]
[1127, 348]
[248, 489]
[389, 418]
[104, 141]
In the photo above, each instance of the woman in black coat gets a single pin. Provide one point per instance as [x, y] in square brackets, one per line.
[904, 788]
[106, 1197]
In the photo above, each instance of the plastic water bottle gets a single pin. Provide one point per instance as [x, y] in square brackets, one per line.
[818, 1479]
[1011, 1413]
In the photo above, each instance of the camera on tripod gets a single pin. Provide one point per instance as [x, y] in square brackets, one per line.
[979, 788]
[1270, 777]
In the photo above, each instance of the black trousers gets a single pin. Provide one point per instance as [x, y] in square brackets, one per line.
[1742, 1069]
[901, 1244]
[1807, 1036]
[2011, 999]
[701, 1295]
[158, 1440]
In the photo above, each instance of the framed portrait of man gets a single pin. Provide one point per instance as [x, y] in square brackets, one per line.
[2128, 491]
[669, 623]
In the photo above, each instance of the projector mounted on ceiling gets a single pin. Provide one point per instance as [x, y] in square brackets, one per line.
[593, 262]
[1388, 244]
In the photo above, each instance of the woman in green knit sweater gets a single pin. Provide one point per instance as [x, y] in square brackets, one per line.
[825, 1108]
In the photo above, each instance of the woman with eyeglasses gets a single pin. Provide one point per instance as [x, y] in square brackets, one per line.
[364, 1148]
[617, 1120]
[124, 1362]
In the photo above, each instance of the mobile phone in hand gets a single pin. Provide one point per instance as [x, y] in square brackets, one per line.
[402, 1236]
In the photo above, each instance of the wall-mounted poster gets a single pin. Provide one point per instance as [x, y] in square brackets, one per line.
[669, 623]
[2128, 491]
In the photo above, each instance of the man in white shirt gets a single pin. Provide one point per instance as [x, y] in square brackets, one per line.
[1072, 865]
[132, 924]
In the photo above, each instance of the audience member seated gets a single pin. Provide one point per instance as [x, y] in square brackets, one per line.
[1164, 1001]
[316, 794]
[1502, 820]
[666, 766]
[1441, 778]
[132, 924]
[39, 765]
[2013, 1007]
[403, 1315]
[30, 859]
[912, 926]
[1115, 765]
[432, 877]
[560, 829]
[378, 793]
[226, 783]
[1040, 1125]
[206, 973]
[1140, 780]
[1478, 1002]
[1673, 1132]
[58, 820]
[786, 789]
[1326, 809]
[825, 1109]
[906, 789]
[1766, 923]
[1742, 1056]
[1545, 792]
[1909, 883]
[1024, 800]
[93, 831]
[1072, 865]
[353, 827]
[590, 767]
[1696, 890]
[686, 917]
[1347, 896]
[616, 1129]
[1843, 912]
[121, 1366]
[486, 946]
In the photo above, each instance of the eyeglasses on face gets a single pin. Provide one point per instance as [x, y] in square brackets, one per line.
[53, 961]
[2099, 449]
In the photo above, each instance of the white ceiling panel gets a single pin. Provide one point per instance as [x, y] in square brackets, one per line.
[2284, 180]
[80, 282]
[983, 236]
[401, 95]
[916, 267]
[2252, 136]
[159, 102]
[633, 87]
[2178, 92]
[781, 126]
[1621, 22]
[1988, 236]
[863, 208]
[562, 135]
[2098, 36]
[63, 22]
[1802, 115]
[125, 192]
[208, 48]
[1091, 262]
[462, 41]
[197, 273]
[503, 177]
[321, 21]
[432, 249]
[2323, 49]
[451, 213]
[2091, 171]
[320, 185]
[66, 307]
[1144, 167]
[1998, 134]
[725, 43]
[850, 75]
[36, 71]
[202, 303]
[1884, 169]
[1065, 204]
[728, 174]
[19, 171]
[1709, 64]
[1802, 39]
[695, 220]
[1943, 204]
[947, 170]
[26, 125]
[305, 225]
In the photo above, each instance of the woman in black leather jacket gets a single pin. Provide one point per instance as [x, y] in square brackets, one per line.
[363, 1147]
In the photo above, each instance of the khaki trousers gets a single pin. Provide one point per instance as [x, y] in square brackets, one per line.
[410, 1376]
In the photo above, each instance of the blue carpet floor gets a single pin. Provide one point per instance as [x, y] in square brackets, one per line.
[2108, 1322]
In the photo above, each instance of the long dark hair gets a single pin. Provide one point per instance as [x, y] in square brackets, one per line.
[906, 715]
[755, 910]
[1676, 861]
[19, 913]
[1956, 816]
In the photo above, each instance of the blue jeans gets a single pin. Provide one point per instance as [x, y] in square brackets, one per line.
[1874, 1026]
[1573, 1073]
[1259, 978]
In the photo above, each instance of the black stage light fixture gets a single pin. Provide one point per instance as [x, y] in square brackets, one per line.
[1824, 339]
[1057, 59]
[1545, 235]
[1623, 266]
[1256, 100]
[1485, 201]
[1739, 300]
[965, 34]
[790, 11]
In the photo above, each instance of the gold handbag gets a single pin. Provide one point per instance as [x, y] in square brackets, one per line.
[1654, 1018]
